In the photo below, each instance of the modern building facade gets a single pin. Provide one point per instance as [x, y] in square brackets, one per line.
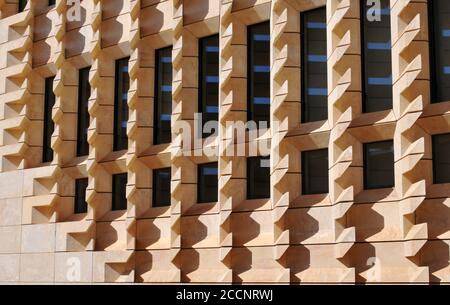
[104, 176]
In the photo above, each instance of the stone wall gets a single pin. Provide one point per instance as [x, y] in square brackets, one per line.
[349, 235]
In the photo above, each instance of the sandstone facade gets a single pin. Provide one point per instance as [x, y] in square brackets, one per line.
[349, 235]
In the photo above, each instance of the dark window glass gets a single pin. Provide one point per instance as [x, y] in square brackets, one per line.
[80, 196]
[161, 187]
[209, 80]
[258, 177]
[441, 158]
[163, 98]
[22, 5]
[259, 73]
[314, 65]
[122, 80]
[378, 165]
[84, 92]
[377, 63]
[207, 183]
[119, 190]
[49, 125]
[315, 172]
[440, 50]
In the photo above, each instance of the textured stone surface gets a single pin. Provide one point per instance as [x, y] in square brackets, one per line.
[349, 235]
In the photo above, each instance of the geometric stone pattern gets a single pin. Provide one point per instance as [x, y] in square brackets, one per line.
[350, 235]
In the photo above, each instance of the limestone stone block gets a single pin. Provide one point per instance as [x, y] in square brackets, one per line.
[37, 267]
[10, 211]
[9, 268]
[38, 238]
[10, 239]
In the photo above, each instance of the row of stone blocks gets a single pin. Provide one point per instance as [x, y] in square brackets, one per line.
[350, 235]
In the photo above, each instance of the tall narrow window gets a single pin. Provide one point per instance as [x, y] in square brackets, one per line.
[119, 190]
[84, 92]
[207, 183]
[377, 62]
[22, 4]
[161, 187]
[315, 172]
[49, 125]
[314, 65]
[441, 158]
[258, 177]
[379, 165]
[163, 98]
[209, 80]
[122, 84]
[439, 18]
[259, 73]
[80, 196]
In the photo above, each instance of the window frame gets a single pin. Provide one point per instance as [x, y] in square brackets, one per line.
[433, 59]
[118, 145]
[83, 183]
[365, 166]
[250, 78]
[83, 106]
[250, 179]
[48, 123]
[201, 87]
[200, 179]
[154, 181]
[435, 157]
[21, 5]
[303, 77]
[305, 189]
[157, 99]
[118, 206]
[364, 50]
